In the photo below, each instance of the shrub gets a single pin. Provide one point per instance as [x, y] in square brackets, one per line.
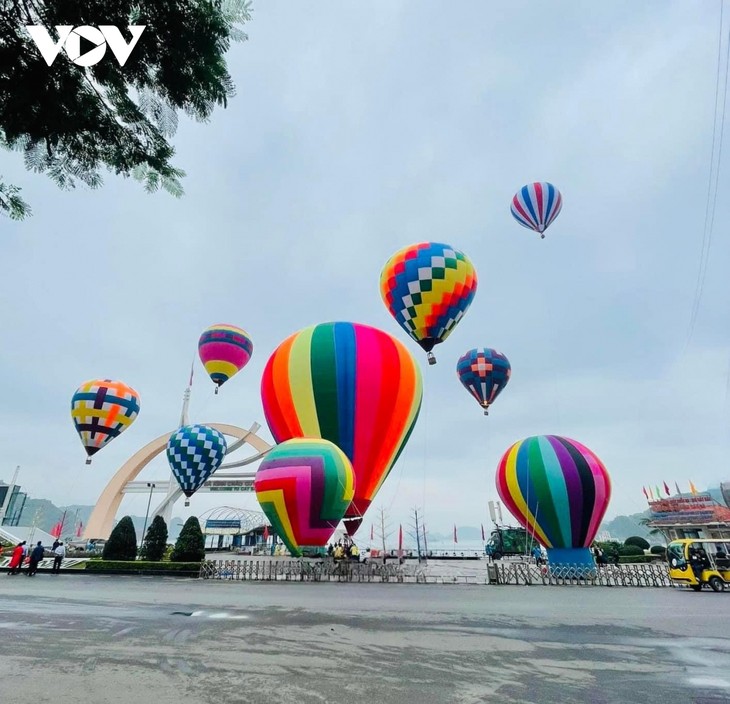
[637, 541]
[155, 542]
[110, 565]
[190, 545]
[122, 543]
[658, 550]
[636, 558]
[632, 550]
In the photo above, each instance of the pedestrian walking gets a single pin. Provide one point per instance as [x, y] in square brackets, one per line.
[35, 557]
[58, 554]
[16, 559]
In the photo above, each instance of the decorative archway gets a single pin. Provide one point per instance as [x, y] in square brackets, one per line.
[102, 517]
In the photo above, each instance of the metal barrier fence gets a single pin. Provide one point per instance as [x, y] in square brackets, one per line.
[627, 575]
[516, 573]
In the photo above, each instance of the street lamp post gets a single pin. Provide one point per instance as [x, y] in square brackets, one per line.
[151, 486]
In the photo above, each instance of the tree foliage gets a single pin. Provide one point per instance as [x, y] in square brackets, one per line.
[122, 543]
[72, 122]
[155, 542]
[190, 545]
[638, 541]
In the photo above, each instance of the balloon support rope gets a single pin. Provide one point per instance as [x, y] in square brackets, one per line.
[431, 359]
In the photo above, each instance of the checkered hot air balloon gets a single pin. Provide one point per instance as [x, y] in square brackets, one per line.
[427, 288]
[194, 453]
[536, 206]
[102, 409]
[224, 350]
[484, 372]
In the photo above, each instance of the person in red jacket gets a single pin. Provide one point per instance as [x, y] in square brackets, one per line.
[16, 559]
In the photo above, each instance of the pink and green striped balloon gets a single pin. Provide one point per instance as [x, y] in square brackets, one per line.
[556, 488]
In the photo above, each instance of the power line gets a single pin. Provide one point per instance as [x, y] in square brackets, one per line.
[711, 200]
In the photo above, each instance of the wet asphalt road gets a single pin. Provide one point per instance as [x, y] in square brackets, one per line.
[111, 640]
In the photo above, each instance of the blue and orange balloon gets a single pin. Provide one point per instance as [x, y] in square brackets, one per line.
[536, 205]
[353, 385]
[224, 350]
[559, 491]
[484, 372]
[427, 288]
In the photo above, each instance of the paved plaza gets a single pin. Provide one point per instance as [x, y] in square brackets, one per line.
[112, 640]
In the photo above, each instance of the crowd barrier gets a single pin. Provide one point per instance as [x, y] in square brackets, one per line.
[515, 573]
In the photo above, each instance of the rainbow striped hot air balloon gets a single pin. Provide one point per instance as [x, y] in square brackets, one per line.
[304, 487]
[559, 491]
[536, 205]
[353, 385]
[101, 410]
[224, 351]
[427, 288]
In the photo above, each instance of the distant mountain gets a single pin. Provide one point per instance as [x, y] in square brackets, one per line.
[45, 514]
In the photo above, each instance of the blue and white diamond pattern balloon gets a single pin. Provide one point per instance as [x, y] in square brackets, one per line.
[194, 453]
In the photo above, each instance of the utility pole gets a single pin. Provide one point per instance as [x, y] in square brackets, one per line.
[151, 486]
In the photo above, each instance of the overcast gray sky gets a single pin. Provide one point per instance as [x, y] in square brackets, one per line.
[360, 128]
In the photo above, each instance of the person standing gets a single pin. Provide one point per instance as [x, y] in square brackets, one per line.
[59, 553]
[35, 557]
[16, 559]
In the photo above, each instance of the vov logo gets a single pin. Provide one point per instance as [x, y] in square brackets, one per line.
[84, 45]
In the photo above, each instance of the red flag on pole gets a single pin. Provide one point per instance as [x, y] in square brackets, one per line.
[679, 491]
[372, 533]
[646, 496]
[80, 529]
[266, 533]
[400, 541]
[483, 537]
[456, 540]
[56, 530]
[666, 488]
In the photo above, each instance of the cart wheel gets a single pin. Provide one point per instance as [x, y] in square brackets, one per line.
[717, 584]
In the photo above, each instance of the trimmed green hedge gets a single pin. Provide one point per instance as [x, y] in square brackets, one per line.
[140, 565]
[623, 559]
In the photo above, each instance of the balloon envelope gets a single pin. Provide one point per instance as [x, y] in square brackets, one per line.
[194, 453]
[101, 410]
[556, 488]
[484, 372]
[304, 487]
[536, 205]
[427, 288]
[353, 385]
[224, 351]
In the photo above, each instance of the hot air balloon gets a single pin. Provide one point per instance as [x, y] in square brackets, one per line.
[427, 288]
[536, 205]
[101, 410]
[484, 372]
[224, 351]
[353, 385]
[194, 453]
[304, 487]
[559, 491]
